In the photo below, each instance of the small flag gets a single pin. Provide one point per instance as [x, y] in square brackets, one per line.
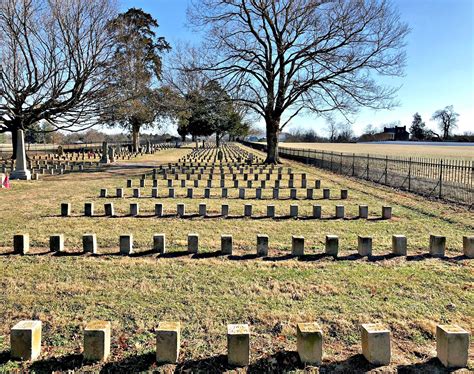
[6, 182]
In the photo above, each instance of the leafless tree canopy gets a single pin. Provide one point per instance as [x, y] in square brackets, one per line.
[53, 61]
[294, 55]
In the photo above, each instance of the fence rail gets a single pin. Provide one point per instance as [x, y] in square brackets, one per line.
[450, 180]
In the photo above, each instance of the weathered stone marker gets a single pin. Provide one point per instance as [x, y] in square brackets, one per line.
[386, 212]
[238, 345]
[297, 245]
[103, 192]
[364, 245]
[294, 210]
[97, 340]
[317, 211]
[89, 243]
[65, 209]
[193, 243]
[344, 194]
[126, 244]
[119, 193]
[21, 244]
[376, 343]
[437, 245]
[326, 193]
[226, 244]
[399, 245]
[203, 209]
[25, 340]
[168, 342]
[159, 243]
[136, 193]
[452, 345]
[340, 211]
[134, 209]
[262, 245]
[248, 210]
[225, 210]
[270, 211]
[332, 245]
[181, 210]
[309, 342]
[159, 210]
[56, 243]
[293, 193]
[363, 211]
[468, 246]
[109, 210]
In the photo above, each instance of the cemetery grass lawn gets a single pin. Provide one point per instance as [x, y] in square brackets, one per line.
[411, 295]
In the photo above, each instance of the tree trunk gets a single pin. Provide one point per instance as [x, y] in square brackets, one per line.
[273, 130]
[218, 140]
[183, 138]
[135, 137]
[14, 139]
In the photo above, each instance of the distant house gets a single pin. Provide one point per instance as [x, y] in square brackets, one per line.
[397, 133]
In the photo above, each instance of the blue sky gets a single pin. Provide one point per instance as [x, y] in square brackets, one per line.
[440, 63]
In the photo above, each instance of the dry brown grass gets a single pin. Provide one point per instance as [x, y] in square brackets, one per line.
[427, 151]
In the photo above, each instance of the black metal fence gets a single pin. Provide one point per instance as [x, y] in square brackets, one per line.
[446, 179]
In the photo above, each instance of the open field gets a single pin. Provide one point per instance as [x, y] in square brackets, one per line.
[207, 291]
[415, 150]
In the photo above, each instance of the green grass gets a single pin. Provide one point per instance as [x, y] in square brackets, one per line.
[411, 295]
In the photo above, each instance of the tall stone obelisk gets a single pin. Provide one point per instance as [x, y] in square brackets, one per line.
[21, 171]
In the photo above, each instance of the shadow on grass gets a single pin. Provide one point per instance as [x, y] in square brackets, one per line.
[205, 255]
[215, 364]
[4, 357]
[433, 365]
[55, 364]
[131, 364]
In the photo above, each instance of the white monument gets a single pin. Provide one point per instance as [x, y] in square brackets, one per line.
[21, 171]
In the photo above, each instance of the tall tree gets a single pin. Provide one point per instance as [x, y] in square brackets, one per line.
[447, 120]
[288, 56]
[137, 101]
[418, 128]
[54, 59]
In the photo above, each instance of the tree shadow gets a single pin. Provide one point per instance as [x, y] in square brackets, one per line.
[132, 364]
[204, 255]
[433, 365]
[353, 364]
[174, 254]
[279, 258]
[67, 254]
[314, 257]
[248, 256]
[4, 357]
[215, 364]
[69, 362]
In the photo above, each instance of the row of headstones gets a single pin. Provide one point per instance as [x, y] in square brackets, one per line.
[222, 183]
[326, 193]
[452, 343]
[89, 210]
[437, 245]
[236, 168]
[225, 153]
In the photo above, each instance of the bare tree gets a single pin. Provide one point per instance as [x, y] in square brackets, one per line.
[331, 129]
[289, 56]
[54, 58]
[447, 120]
